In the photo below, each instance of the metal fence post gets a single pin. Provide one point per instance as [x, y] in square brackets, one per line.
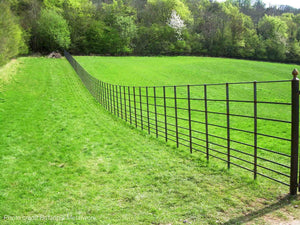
[129, 106]
[295, 134]
[134, 104]
[117, 100]
[121, 105]
[148, 116]
[255, 127]
[104, 95]
[101, 95]
[206, 122]
[141, 109]
[125, 107]
[113, 97]
[155, 110]
[228, 125]
[190, 120]
[165, 112]
[110, 99]
[176, 115]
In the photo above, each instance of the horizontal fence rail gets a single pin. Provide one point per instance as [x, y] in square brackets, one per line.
[253, 131]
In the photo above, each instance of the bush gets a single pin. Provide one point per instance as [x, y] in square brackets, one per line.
[52, 31]
[11, 35]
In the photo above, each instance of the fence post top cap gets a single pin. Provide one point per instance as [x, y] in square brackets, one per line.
[295, 74]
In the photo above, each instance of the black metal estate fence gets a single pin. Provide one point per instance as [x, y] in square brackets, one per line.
[250, 125]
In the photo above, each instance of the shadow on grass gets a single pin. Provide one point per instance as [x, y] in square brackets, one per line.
[261, 212]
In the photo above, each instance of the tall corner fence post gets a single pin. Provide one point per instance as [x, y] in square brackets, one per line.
[295, 134]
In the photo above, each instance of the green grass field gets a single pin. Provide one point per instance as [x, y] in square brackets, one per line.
[63, 154]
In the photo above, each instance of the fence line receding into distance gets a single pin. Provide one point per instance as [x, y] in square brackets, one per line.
[257, 133]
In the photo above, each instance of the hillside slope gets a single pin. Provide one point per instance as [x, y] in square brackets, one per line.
[64, 156]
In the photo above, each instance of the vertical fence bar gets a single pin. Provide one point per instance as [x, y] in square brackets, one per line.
[121, 104]
[129, 104]
[165, 112]
[97, 82]
[110, 99]
[107, 97]
[148, 116]
[295, 134]
[134, 102]
[155, 110]
[91, 87]
[176, 115]
[141, 110]
[104, 96]
[101, 95]
[206, 121]
[125, 107]
[255, 128]
[98, 90]
[117, 100]
[228, 125]
[95, 88]
[190, 118]
[114, 101]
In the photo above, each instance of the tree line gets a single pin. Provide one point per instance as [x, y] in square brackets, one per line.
[234, 28]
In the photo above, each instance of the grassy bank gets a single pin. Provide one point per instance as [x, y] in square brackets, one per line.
[63, 155]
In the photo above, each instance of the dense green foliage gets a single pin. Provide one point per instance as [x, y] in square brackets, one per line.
[11, 35]
[52, 31]
[63, 155]
[234, 28]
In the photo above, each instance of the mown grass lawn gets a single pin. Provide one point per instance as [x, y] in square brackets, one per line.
[63, 155]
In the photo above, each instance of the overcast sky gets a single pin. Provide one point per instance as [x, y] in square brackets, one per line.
[293, 3]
